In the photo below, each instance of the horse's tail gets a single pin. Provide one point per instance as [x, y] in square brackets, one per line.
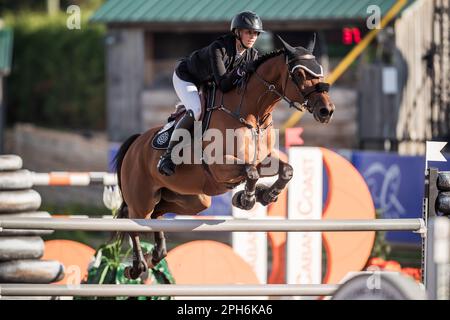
[118, 159]
[117, 164]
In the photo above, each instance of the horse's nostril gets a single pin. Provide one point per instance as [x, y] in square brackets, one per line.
[324, 112]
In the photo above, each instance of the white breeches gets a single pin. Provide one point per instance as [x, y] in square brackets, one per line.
[188, 94]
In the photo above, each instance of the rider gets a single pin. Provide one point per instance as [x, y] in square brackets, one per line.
[225, 61]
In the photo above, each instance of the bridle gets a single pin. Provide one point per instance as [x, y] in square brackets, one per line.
[303, 93]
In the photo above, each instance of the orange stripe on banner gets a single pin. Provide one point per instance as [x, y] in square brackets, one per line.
[58, 180]
[348, 198]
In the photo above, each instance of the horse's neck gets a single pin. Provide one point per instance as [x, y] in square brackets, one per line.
[258, 100]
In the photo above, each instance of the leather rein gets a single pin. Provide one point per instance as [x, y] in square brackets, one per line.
[305, 93]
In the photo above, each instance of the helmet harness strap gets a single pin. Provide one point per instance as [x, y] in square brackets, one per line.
[238, 36]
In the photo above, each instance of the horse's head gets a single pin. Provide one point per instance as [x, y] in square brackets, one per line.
[306, 74]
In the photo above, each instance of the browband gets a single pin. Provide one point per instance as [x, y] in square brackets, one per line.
[308, 70]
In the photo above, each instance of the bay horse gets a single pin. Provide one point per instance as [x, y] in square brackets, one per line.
[291, 74]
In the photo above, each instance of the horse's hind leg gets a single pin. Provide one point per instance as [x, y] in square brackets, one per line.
[246, 199]
[176, 203]
[139, 264]
[159, 251]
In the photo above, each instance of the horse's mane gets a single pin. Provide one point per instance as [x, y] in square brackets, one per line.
[260, 60]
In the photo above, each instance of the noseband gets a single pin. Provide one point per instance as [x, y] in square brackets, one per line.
[305, 93]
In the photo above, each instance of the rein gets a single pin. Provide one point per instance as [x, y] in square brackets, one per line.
[234, 114]
[237, 114]
[305, 93]
[271, 88]
[318, 87]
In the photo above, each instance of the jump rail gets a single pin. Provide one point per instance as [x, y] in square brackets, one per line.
[73, 178]
[204, 225]
[114, 290]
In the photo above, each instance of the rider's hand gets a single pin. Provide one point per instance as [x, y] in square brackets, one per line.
[250, 67]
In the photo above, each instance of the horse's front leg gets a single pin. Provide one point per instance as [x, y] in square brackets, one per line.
[246, 199]
[266, 195]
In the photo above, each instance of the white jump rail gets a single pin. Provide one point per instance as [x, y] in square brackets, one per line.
[206, 225]
[115, 290]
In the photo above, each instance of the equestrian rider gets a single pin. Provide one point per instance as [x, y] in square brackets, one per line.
[226, 61]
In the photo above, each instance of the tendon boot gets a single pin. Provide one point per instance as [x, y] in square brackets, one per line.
[165, 164]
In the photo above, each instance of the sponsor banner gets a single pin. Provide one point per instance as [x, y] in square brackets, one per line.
[252, 246]
[304, 249]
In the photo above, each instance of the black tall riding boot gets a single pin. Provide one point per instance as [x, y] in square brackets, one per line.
[165, 163]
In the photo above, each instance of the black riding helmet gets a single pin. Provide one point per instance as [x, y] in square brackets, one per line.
[246, 20]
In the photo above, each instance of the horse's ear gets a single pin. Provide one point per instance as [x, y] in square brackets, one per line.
[287, 46]
[312, 43]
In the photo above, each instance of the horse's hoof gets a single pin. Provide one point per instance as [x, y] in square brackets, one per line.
[240, 202]
[134, 272]
[155, 258]
[264, 195]
[260, 190]
[131, 273]
[235, 201]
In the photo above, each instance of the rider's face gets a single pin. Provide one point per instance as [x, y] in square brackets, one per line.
[248, 37]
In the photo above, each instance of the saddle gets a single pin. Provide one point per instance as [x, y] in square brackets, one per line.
[207, 93]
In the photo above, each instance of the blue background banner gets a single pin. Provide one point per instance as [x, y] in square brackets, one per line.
[397, 186]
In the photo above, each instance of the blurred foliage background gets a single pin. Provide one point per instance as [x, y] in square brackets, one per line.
[57, 78]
